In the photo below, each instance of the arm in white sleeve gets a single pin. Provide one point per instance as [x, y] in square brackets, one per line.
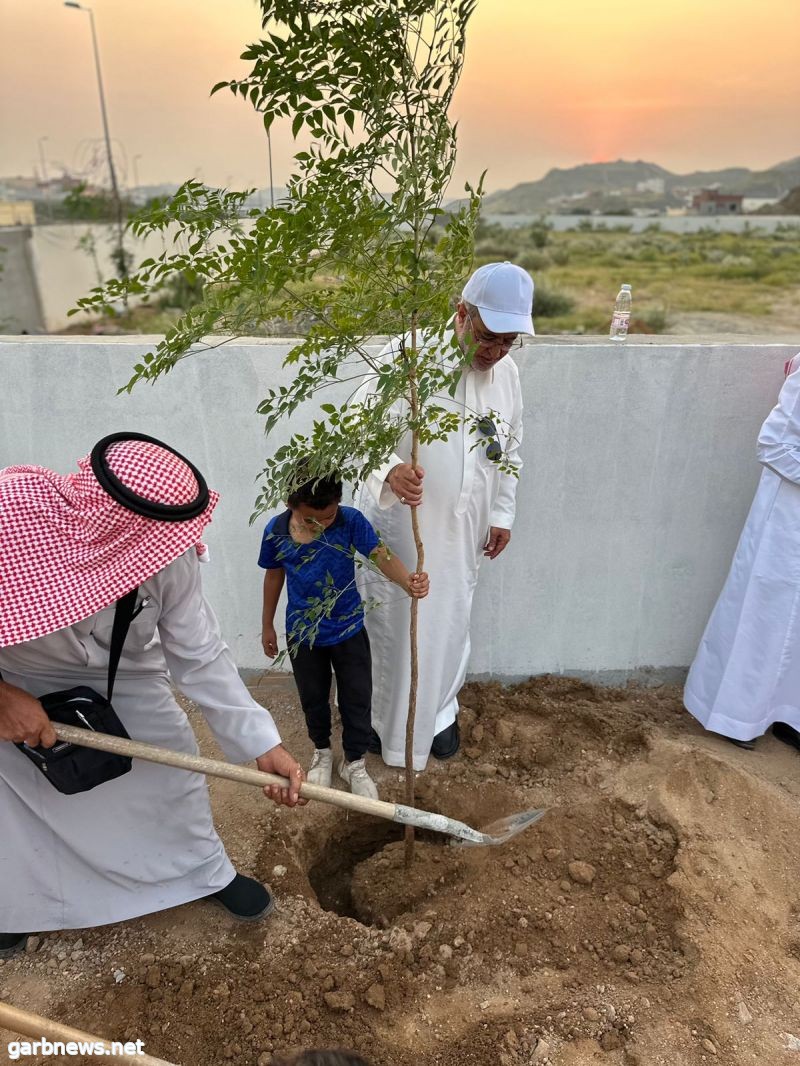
[379, 486]
[376, 481]
[505, 506]
[779, 439]
[202, 666]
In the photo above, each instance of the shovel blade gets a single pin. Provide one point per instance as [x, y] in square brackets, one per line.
[505, 829]
[497, 833]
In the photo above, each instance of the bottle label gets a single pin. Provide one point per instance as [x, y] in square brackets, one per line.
[620, 319]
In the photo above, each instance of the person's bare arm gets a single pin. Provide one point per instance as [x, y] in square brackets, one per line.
[395, 570]
[273, 584]
[22, 718]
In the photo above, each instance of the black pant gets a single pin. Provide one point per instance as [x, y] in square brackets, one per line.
[351, 662]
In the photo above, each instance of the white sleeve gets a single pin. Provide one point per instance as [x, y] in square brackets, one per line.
[379, 486]
[505, 505]
[779, 439]
[202, 666]
[376, 481]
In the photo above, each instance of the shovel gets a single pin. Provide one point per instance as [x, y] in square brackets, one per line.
[496, 833]
[41, 1028]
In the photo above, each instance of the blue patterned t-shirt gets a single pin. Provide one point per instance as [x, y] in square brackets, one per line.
[324, 606]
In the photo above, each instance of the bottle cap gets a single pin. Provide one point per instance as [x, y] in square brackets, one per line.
[627, 287]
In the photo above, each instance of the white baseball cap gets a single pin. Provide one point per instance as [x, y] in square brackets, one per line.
[503, 293]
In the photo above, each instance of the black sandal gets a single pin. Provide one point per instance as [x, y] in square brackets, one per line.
[245, 899]
[786, 734]
[747, 745]
[12, 944]
[446, 744]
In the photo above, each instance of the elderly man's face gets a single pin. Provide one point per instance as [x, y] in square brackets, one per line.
[485, 347]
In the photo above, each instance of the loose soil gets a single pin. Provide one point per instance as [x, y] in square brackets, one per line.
[651, 917]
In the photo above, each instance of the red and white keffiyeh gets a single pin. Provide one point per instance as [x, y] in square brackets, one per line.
[68, 549]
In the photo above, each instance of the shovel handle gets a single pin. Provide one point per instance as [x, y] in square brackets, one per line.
[216, 768]
[36, 1026]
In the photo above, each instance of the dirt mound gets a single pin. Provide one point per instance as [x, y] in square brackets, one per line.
[651, 917]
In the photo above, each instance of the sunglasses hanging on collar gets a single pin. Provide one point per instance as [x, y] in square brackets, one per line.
[487, 429]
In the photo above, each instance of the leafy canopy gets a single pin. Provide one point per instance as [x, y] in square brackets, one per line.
[361, 245]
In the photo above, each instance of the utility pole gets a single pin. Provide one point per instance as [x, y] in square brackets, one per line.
[111, 171]
[43, 161]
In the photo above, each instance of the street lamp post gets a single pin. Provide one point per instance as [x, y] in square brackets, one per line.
[43, 162]
[112, 172]
[43, 168]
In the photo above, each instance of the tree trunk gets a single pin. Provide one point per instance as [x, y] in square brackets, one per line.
[412, 691]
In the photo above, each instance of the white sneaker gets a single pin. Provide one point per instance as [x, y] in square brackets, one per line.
[356, 776]
[321, 768]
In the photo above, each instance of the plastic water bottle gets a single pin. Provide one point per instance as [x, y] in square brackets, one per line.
[622, 315]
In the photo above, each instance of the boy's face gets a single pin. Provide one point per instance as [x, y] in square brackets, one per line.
[314, 519]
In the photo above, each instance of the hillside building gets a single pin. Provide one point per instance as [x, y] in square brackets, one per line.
[714, 202]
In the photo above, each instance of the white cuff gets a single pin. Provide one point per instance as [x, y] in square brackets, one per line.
[379, 486]
[502, 519]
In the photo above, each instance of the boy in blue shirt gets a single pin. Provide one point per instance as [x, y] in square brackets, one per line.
[312, 547]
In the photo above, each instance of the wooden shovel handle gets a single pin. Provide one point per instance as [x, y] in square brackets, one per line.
[216, 768]
[37, 1027]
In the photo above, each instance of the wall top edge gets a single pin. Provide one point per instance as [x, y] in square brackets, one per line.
[656, 341]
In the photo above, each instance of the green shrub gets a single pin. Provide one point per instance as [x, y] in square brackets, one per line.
[181, 290]
[539, 233]
[532, 260]
[493, 249]
[547, 303]
[654, 320]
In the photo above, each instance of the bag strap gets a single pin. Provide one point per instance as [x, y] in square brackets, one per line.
[123, 616]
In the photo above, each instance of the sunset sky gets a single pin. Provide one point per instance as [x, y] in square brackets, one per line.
[685, 83]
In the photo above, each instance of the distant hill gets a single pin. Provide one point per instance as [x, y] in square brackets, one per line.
[789, 205]
[575, 181]
[792, 165]
[601, 180]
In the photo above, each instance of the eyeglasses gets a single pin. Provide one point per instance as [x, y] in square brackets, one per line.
[487, 428]
[484, 339]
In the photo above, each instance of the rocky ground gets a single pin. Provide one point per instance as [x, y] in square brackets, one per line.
[652, 917]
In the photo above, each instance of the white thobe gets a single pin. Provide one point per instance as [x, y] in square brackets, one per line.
[145, 841]
[746, 674]
[464, 494]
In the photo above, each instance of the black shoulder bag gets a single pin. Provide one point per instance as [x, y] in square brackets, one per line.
[71, 768]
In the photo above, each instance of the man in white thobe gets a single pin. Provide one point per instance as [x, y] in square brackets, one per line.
[69, 548]
[466, 506]
[746, 675]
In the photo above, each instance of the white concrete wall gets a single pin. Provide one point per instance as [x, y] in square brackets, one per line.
[640, 468]
[638, 223]
[20, 306]
[65, 271]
